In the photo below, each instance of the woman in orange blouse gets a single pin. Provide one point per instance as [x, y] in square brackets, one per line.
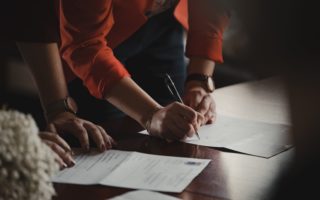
[120, 51]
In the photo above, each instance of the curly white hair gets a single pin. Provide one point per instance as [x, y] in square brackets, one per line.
[26, 163]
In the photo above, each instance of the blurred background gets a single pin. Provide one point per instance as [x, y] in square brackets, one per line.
[17, 88]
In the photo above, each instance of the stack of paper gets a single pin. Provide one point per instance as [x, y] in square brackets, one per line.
[133, 170]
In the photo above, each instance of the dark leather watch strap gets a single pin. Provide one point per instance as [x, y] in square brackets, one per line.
[197, 77]
[66, 104]
[205, 80]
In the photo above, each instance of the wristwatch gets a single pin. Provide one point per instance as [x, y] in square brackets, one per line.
[66, 104]
[205, 80]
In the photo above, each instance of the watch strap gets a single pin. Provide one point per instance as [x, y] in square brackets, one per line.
[59, 106]
[197, 77]
[206, 81]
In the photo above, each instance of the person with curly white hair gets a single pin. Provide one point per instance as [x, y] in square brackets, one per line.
[26, 163]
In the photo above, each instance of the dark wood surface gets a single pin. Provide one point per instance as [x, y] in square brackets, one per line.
[229, 175]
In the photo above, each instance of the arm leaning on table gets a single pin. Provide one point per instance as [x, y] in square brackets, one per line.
[45, 64]
[32, 24]
[207, 22]
[85, 49]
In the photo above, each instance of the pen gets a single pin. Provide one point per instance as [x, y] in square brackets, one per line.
[174, 92]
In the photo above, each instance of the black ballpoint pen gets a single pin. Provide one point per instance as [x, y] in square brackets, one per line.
[174, 92]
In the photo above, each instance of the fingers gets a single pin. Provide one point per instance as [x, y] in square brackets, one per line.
[175, 121]
[211, 114]
[60, 162]
[205, 104]
[207, 108]
[193, 96]
[174, 132]
[180, 121]
[188, 113]
[107, 139]
[193, 101]
[56, 139]
[96, 135]
[191, 116]
[201, 101]
[186, 128]
[99, 136]
[80, 132]
[64, 157]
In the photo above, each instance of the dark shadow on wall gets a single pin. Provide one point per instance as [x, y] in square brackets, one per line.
[17, 90]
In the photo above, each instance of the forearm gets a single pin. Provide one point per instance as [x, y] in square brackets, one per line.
[131, 99]
[198, 65]
[201, 66]
[198, 88]
[45, 64]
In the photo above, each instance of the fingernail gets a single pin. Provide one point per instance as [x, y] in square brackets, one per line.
[64, 165]
[73, 162]
[102, 147]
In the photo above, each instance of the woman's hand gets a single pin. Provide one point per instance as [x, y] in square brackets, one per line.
[82, 129]
[62, 150]
[174, 122]
[197, 98]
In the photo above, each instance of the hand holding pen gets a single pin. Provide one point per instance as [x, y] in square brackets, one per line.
[174, 92]
[175, 121]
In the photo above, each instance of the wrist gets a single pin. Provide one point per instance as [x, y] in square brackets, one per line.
[201, 66]
[197, 80]
[147, 119]
[60, 115]
[194, 86]
[65, 105]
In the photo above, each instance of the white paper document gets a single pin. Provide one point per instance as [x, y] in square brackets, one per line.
[143, 194]
[133, 170]
[245, 136]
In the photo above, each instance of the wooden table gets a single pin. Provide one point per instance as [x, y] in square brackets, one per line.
[228, 176]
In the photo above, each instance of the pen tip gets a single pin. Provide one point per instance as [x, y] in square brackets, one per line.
[198, 135]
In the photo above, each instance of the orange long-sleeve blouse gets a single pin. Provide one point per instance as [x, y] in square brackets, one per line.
[91, 29]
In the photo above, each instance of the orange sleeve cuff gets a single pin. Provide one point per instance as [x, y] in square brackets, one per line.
[104, 74]
[207, 22]
[83, 29]
[208, 46]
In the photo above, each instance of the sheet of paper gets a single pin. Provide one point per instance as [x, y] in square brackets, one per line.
[143, 194]
[92, 168]
[154, 172]
[133, 170]
[245, 136]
